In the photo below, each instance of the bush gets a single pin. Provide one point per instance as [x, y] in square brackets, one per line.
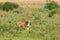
[1, 5]
[51, 5]
[9, 6]
[52, 13]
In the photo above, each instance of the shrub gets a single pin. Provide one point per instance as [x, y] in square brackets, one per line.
[1, 5]
[51, 5]
[52, 13]
[9, 6]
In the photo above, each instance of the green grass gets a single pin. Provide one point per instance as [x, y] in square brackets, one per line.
[42, 27]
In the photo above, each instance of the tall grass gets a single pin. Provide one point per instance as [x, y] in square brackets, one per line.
[41, 27]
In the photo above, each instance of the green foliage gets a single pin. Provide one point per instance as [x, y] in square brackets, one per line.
[1, 5]
[41, 26]
[51, 5]
[52, 13]
[8, 6]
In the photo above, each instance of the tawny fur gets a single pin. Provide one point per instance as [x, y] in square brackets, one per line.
[25, 24]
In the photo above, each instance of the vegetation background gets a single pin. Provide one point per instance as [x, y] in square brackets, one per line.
[45, 23]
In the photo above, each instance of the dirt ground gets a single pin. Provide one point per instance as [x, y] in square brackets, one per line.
[28, 1]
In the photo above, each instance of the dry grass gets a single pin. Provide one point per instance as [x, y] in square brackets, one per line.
[42, 27]
[29, 1]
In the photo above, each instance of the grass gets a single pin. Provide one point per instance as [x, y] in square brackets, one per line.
[42, 27]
